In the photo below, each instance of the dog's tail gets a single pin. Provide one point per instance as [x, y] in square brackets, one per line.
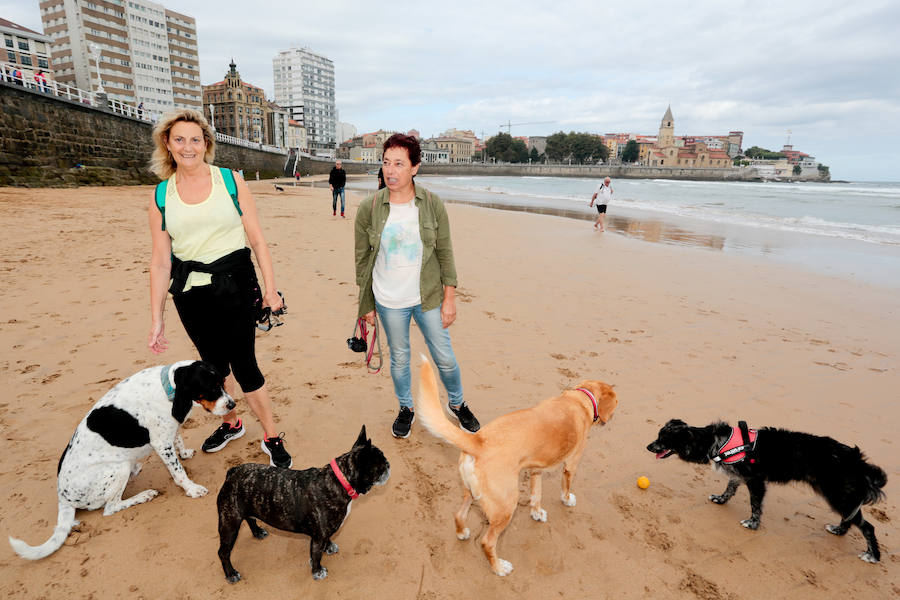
[428, 409]
[64, 523]
[876, 479]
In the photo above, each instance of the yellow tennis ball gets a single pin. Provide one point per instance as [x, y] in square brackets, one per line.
[643, 482]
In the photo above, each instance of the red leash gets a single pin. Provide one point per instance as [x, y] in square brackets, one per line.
[364, 334]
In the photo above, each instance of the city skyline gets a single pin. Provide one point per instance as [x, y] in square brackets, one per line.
[820, 70]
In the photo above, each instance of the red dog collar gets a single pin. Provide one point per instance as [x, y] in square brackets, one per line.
[593, 402]
[344, 483]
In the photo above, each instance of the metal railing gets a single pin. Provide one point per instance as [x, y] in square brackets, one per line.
[230, 139]
[14, 74]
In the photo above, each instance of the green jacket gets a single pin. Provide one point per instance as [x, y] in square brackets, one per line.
[438, 268]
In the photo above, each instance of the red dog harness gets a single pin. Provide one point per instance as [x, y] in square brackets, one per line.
[740, 443]
[593, 402]
[344, 483]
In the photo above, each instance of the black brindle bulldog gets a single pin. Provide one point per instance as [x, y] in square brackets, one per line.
[313, 501]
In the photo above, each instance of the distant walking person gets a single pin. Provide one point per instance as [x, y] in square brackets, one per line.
[605, 195]
[141, 110]
[40, 80]
[337, 179]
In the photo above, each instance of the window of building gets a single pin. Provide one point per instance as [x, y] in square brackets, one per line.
[9, 42]
[10, 56]
[26, 60]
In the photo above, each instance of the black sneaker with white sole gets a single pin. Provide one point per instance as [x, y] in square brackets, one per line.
[221, 436]
[278, 456]
[466, 419]
[403, 423]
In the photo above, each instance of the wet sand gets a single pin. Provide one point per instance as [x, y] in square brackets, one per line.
[543, 302]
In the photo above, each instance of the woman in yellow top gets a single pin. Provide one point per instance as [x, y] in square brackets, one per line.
[215, 284]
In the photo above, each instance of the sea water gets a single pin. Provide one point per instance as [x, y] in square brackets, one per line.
[868, 212]
[846, 229]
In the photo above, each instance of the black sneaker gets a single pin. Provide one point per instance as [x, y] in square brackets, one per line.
[221, 436]
[467, 420]
[278, 456]
[403, 423]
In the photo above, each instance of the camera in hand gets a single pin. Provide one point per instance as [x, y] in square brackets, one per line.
[267, 318]
[356, 344]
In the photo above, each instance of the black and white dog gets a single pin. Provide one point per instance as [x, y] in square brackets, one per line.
[140, 414]
[837, 472]
[313, 501]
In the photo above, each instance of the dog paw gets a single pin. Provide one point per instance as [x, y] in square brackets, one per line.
[504, 567]
[322, 573]
[234, 578]
[867, 557]
[194, 490]
[568, 499]
[331, 548]
[539, 515]
[186, 453]
[718, 499]
[835, 529]
[463, 535]
[751, 523]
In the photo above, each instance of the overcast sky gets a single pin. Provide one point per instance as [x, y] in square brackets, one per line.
[825, 70]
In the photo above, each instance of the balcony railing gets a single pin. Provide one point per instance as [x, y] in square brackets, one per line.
[14, 74]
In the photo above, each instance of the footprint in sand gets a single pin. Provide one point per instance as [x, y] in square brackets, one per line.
[838, 365]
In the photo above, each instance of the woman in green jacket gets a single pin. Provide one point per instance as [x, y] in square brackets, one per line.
[404, 270]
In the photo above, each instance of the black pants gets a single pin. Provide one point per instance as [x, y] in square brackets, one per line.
[223, 329]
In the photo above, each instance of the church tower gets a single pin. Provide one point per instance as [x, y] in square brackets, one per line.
[666, 136]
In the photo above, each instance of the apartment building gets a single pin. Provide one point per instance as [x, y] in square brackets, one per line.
[304, 84]
[146, 53]
[27, 50]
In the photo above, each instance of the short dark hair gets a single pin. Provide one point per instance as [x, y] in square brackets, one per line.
[398, 140]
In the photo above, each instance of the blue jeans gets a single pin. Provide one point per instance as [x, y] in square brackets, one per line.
[334, 195]
[395, 323]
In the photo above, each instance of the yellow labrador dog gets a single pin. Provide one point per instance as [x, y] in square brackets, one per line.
[535, 438]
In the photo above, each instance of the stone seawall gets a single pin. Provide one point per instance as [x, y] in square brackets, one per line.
[594, 171]
[43, 139]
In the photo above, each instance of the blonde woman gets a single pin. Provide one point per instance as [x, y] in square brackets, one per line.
[200, 243]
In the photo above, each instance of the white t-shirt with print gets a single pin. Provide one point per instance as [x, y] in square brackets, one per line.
[398, 266]
[604, 194]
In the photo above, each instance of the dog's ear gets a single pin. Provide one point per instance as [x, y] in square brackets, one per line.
[188, 383]
[606, 402]
[605, 397]
[362, 441]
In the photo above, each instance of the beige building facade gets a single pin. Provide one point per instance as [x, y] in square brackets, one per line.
[670, 151]
[26, 50]
[237, 108]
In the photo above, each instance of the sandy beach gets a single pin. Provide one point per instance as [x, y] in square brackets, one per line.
[543, 302]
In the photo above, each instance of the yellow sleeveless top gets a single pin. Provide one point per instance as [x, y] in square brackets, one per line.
[205, 231]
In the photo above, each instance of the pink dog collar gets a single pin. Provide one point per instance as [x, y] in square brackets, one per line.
[344, 483]
[593, 402]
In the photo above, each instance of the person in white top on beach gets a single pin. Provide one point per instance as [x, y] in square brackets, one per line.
[605, 192]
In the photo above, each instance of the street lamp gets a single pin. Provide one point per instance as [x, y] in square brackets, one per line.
[95, 51]
[212, 117]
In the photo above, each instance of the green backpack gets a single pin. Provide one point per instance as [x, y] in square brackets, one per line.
[230, 185]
